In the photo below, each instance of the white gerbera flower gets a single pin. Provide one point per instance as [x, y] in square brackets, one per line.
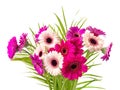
[40, 51]
[93, 43]
[53, 62]
[49, 39]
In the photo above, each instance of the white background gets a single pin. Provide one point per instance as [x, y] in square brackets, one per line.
[16, 16]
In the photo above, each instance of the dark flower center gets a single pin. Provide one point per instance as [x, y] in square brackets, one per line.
[40, 53]
[93, 41]
[48, 40]
[64, 51]
[76, 35]
[74, 66]
[54, 63]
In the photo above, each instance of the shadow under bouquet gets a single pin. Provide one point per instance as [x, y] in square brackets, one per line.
[59, 57]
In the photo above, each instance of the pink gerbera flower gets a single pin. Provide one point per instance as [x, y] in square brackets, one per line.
[75, 32]
[107, 52]
[95, 31]
[78, 46]
[66, 48]
[73, 67]
[12, 47]
[22, 41]
[44, 28]
[37, 63]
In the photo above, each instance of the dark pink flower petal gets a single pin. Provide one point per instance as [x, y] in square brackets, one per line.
[75, 32]
[12, 47]
[107, 52]
[44, 28]
[73, 67]
[37, 63]
[95, 31]
[22, 41]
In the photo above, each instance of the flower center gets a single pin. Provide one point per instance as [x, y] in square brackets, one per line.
[64, 51]
[40, 53]
[54, 63]
[76, 35]
[48, 40]
[74, 66]
[93, 41]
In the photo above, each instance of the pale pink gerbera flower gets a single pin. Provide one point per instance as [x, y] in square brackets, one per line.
[49, 39]
[53, 63]
[93, 43]
[40, 51]
[22, 41]
[37, 63]
[107, 52]
[12, 47]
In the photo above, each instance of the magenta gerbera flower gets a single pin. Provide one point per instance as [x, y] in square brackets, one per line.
[78, 46]
[12, 47]
[107, 52]
[44, 28]
[75, 32]
[73, 67]
[66, 48]
[95, 31]
[37, 63]
[22, 41]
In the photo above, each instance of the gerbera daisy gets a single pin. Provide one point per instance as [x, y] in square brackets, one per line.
[93, 43]
[75, 32]
[40, 51]
[78, 46]
[22, 41]
[37, 63]
[12, 47]
[95, 31]
[53, 62]
[49, 39]
[44, 28]
[65, 48]
[73, 67]
[107, 52]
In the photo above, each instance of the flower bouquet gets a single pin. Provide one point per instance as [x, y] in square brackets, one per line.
[59, 57]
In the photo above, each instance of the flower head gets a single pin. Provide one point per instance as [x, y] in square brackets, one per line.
[40, 51]
[75, 32]
[37, 63]
[93, 43]
[73, 67]
[12, 47]
[49, 39]
[65, 48]
[44, 28]
[22, 41]
[107, 52]
[95, 31]
[78, 46]
[53, 62]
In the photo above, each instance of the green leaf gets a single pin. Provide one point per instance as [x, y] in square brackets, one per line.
[61, 32]
[95, 87]
[64, 18]
[83, 22]
[89, 61]
[61, 24]
[92, 75]
[26, 60]
[39, 79]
